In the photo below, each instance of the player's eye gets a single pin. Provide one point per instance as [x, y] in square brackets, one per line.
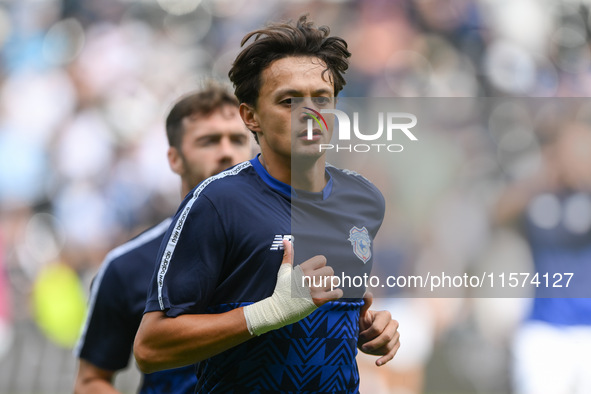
[292, 101]
[239, 140]
[321, 100]
[207, 141]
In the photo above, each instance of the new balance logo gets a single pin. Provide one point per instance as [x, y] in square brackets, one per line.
[278, 241]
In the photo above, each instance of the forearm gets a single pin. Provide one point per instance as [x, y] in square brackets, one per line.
[94, 386]
[163, 342]
[93, 380]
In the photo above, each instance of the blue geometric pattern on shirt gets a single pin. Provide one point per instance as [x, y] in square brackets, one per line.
[178, 381]
[315, 355]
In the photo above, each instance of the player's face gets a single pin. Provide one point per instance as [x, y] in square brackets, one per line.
[212, 144]
[287, 86]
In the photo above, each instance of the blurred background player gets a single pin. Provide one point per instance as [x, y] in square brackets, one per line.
[551, 348]
[206, 135]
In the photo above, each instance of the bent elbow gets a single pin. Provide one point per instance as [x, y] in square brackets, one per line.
[144, 357]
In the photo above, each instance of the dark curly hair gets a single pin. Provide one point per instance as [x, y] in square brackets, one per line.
[280, 40]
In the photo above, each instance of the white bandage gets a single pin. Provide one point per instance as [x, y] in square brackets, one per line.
[283, 307]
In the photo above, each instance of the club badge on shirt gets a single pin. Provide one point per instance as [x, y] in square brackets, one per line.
[359, 238]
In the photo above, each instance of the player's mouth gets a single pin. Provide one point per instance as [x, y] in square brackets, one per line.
[316, 135]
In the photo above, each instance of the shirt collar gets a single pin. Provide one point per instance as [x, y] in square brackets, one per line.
[286, 189]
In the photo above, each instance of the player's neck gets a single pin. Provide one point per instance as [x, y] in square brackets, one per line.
[308, 176]
[186, 187]
[303, 175]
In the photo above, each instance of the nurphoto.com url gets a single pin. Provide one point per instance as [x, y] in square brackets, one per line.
[433, 282]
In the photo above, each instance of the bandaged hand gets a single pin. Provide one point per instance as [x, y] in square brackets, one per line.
[295, 295]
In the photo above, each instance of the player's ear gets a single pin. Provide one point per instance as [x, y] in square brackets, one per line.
[174, 160]
[250, 117]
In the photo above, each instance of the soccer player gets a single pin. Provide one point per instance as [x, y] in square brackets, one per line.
[222, 294]
[206, 135]
[553, 210]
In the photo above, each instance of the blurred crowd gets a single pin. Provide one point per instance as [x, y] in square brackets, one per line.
[85, 86]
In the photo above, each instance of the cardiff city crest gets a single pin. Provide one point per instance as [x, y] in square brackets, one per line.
[359, 238]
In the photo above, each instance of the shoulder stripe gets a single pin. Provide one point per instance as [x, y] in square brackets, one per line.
[178, 226]
[137, 242]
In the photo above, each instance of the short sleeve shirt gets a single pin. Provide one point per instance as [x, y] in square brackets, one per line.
[223, 251]
[116, 304]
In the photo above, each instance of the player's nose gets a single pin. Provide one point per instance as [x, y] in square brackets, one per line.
[227, 152]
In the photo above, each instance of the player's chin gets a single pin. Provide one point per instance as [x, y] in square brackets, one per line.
[307, 151]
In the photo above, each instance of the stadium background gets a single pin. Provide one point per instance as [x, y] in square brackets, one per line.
[85, 86]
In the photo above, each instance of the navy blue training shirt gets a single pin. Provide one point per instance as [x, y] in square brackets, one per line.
[557, 248]
[116, 305]
[223, 251]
